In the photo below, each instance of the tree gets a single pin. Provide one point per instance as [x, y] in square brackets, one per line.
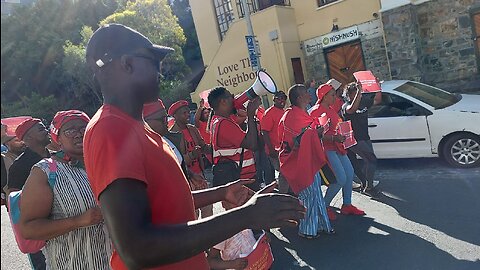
[154, 19]
[32, 41]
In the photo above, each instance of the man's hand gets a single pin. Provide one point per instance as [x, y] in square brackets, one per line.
[270, 210]
[237, 193]
[253, 106]
[90, 217]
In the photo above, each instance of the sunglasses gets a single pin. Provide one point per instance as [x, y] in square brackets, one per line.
[155, 62]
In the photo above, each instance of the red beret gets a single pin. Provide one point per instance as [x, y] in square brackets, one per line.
[63, 117]
[151, 108]
[322, 90]
[25, 126]
[177, 105]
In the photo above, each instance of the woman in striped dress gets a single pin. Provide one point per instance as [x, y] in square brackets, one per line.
[63, 211]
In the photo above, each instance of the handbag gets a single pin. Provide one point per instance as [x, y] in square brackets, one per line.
[226, 171]
[27, 246]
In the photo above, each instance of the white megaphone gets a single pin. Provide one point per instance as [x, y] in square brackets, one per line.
[263, 85]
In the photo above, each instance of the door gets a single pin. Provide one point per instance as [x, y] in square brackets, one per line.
[344, 60]
[297, 70]
[398, 128]
[476, 25]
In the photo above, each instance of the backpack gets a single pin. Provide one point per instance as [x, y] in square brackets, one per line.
[27, 246]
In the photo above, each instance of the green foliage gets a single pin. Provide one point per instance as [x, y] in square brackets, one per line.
[34, 105]
[32, 41]
[154, 19]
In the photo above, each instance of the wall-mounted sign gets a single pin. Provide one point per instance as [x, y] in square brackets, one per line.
[331, 39]
[339, 37]
[251, 51]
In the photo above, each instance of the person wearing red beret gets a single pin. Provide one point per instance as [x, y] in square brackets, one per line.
[336, 153]
[196, 148]
[35, 136]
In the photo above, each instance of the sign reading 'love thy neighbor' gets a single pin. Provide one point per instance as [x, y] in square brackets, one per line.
[331, 39]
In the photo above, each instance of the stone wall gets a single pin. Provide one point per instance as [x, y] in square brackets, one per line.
[316, 66]
[432, 43]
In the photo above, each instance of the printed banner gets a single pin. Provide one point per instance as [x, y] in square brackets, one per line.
[368, 81]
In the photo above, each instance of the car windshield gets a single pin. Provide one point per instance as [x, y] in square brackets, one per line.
[430, 95]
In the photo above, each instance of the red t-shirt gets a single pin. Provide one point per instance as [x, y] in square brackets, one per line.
[190, 144]
[337, 106]
[203, 132]
[316, 112]
[117, 146]
[227, 136]
[269, 123]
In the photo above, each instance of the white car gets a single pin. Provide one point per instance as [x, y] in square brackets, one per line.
[415, 120]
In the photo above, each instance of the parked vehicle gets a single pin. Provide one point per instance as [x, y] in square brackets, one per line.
[416, 120]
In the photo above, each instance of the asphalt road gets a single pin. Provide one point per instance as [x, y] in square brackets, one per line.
[429, 218]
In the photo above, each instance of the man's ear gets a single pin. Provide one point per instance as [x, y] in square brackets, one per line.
[126, 63]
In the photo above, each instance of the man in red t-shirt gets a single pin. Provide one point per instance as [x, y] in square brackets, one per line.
[194, 144]
[269, 126]
[229, 141]
[144, 195]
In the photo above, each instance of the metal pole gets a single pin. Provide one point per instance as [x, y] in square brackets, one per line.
[246, 12]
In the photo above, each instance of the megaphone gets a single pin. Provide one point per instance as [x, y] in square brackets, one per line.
[263, 85]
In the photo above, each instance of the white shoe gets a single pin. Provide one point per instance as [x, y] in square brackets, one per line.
[375, 183]
[356, 185]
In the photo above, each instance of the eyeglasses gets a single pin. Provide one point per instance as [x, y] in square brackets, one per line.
[72, 132]
[154, 61]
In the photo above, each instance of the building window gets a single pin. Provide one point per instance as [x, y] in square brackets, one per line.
[256, 5]
[325, 2]
[224, 13]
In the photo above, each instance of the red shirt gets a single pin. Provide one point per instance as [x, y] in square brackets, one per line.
[190, 145]
[203, 132]
[269, 123]
[337, 106]
[227, 136]
[118, 146]
[316, 112]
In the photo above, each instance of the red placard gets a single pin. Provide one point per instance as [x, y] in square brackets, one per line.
[261, 257]
[12, 123]
[345, 129]
[368, 81]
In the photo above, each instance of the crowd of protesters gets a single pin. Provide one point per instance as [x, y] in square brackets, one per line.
[130, 191]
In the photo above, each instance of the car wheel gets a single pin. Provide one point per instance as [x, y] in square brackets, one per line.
[462, 150]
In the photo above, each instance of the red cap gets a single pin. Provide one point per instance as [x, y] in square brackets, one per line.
[177, 105]
[151, 108]
[63, 117]
[322, 90]
[25, 126]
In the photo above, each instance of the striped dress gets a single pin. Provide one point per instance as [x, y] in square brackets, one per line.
[83, 248]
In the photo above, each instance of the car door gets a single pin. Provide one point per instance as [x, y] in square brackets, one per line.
[398, 128]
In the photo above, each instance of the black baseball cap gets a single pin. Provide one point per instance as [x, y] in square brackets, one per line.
[115, 40]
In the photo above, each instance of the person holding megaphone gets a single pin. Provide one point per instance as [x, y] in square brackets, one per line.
[233, 148]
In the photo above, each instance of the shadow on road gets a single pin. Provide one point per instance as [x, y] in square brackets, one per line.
[362, 243]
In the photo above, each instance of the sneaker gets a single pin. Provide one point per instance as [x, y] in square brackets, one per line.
[331, 214]
[306, 236]
[351, 210]
[356, 185]
[326, 232]
[372, 192]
